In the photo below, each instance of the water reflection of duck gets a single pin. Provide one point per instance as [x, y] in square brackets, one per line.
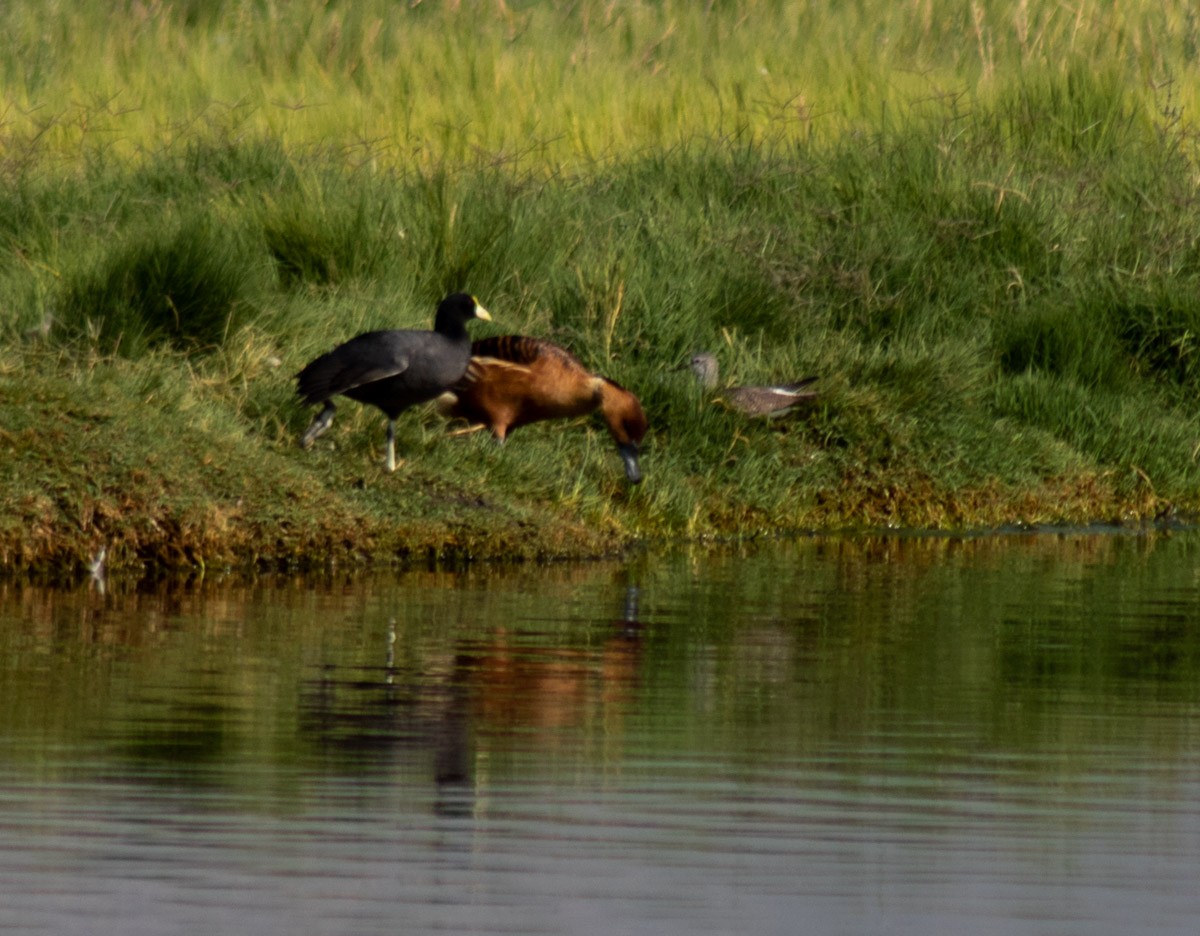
[514, 380]
[514, 683]
[753, 401]
[392, 370]
[547, 689]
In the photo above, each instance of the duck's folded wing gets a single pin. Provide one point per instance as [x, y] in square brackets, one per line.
[513, 349]
[487, 369]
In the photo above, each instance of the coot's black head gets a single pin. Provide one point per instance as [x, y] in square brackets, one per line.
[455, 311]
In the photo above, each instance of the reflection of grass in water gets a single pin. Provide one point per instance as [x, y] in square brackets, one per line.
[1021, 645]
[995, 282]
[897, 653]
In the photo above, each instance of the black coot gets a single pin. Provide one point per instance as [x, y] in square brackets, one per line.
[392, 370]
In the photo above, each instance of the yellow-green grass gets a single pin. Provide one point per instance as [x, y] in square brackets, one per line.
[547, 84]
[986, 249]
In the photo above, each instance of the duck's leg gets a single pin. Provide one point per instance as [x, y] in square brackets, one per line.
[322, 421]
[391, 445]
[465, 431]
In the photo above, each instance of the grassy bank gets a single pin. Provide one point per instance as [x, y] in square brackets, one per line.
[995, 276]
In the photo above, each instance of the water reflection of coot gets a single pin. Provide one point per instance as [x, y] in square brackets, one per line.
[369, 716]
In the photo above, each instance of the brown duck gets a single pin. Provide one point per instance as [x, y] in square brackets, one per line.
[514, 380]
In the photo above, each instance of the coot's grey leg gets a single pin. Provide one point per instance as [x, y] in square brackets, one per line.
[391, 445]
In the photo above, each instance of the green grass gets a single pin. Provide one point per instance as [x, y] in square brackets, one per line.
[987, 251]
[546, 83]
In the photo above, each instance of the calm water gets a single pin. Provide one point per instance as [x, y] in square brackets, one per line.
[922, 735]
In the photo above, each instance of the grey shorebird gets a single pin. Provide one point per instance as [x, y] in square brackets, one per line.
[753, 401]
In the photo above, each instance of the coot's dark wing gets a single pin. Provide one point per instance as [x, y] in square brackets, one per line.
[369, 357]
